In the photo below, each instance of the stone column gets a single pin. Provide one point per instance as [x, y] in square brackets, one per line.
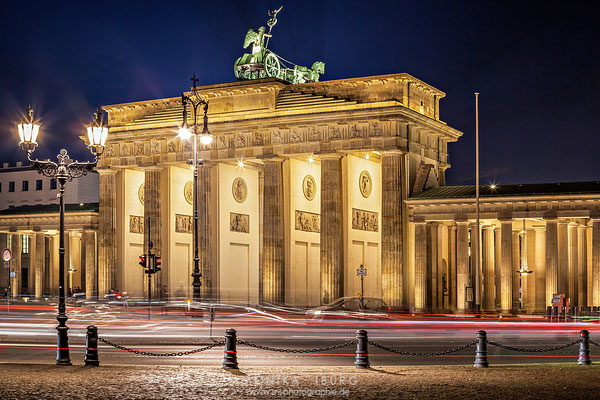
[205, 226]
[475, 274]
[38, 263]
[539, 268]
[392, 267]
[273, 251]
[331, 228]
[452, 267]
[462, 265]
[552, 259]
[497, 268]
[89, 248]
[15, 263]
[421, 266]
[595, 262]
[506, 266]
[582, 272]
[153, 218]
[516, 277]
[432, 266]
[107, 232]
[573, 270]
[489, 292]
[563, 258]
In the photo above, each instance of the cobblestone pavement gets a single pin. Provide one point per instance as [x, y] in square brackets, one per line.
[19, 381]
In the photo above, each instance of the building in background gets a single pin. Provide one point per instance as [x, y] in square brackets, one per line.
[29, 218]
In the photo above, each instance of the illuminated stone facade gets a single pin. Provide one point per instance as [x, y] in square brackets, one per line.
[326, 167]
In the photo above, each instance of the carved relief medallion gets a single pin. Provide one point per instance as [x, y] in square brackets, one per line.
[309, 187]
[365, 184]
[183, 223]
[188, 192]
[239, 190]
[308, 222]
[365, 220]
[136, 224]
[141, 193]
[239, 223]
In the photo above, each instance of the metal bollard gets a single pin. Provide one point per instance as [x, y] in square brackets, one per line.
[230, 355]
[584, 349]
[481, 360]
[91, 347]
[362, 350]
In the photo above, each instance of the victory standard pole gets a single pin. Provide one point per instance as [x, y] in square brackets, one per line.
[478, 239]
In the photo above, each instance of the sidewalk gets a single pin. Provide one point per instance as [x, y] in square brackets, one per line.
[26, 381]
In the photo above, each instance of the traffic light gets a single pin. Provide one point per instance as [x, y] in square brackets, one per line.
[143, 261]
[156, 263]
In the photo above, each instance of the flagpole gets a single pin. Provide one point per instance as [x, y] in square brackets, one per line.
[477, 240]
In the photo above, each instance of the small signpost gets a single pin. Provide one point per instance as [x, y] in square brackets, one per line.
[362, 272]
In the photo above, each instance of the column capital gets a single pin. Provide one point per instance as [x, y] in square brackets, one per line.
[106, 171]
[153, 167]
[329, 156]
[272, 158]
[392, 152]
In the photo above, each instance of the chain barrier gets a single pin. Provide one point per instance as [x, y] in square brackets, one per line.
[313, 350]
[409, 353]
[545, 349]
[594, 343]
[151, 354]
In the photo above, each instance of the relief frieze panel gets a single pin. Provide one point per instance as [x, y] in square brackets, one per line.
[126, 149]
[239, 223]
[136, 224]
[183, 223]
[365, 220]
[307, 221]
[139, 148]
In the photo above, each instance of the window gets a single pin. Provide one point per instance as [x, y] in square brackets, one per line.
[38, 184]
[25, 244]
[11, 186]
[25, 186]
[52, 184]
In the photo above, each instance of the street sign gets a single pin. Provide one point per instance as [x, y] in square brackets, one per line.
[6, 254]
[361, 272]
[13, 274]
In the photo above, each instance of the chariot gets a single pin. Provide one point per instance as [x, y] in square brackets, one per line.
[263, 63]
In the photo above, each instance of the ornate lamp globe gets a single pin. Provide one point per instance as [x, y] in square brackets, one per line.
[97, 134]
[184, 132]
[206, 137]
[28, 131]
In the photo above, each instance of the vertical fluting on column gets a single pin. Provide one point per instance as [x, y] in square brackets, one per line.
[551, 260]
[539, 269]
[497, 268]
[273, 251]
[331, 228]
[89, 244]
[462, 265]
[582, 265]
[596, 262]
[563, 258]
[506, 267]
[421, 266]
[261, 247]
[153, 218]
[489, 292]
[392, 267]
[452, 267]
[15, 263]
[205, 223]
[516, 276]
[475, 273]
[432, 266]
[38, 263]
[573, 265]
[107, 232]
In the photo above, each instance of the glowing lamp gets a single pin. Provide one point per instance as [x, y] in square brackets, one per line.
[28, 132]
[184, 133]
[206, 137]
[97, 134]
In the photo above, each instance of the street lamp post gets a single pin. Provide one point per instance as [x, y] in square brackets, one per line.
[206, 138]
[62, 171]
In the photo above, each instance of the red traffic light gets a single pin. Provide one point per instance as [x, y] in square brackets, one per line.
[143, 261]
